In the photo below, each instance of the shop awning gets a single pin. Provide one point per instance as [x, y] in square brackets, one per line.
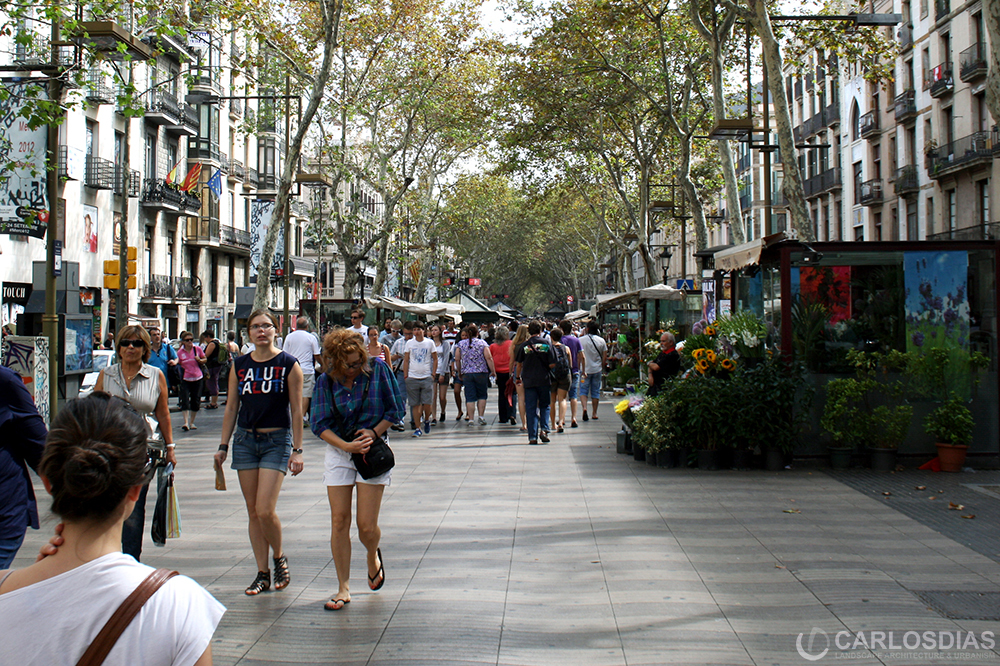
[576, 315]
[661, 292]
[437, 309]
[746, 254]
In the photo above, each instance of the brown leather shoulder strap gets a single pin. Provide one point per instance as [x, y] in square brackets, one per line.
[116, 624]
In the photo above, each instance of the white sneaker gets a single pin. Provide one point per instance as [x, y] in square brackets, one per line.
[471, 423]
[482, 421]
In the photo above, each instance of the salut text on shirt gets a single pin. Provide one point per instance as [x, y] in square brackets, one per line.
[269, 379]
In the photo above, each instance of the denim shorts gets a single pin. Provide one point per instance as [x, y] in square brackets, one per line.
[476, 385]
[574, 386]
[591, 386]
[268, 450]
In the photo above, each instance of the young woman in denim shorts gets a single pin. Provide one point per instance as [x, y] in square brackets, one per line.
[264, 418]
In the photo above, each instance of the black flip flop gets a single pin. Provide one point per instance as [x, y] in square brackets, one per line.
[380, 572]
[343, 602]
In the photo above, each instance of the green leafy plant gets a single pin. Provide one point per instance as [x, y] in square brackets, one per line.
[773, 404]
[951, 423]
[622, 375]
[656, 426]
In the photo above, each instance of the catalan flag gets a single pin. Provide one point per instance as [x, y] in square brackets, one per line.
[190, 183]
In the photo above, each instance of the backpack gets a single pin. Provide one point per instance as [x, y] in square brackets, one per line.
[221, 355]
[562, 368]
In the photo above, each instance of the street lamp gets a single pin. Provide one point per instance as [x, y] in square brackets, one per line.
[360, 270]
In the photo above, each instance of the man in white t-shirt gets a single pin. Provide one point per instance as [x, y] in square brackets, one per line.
[358, 323]
[304, 346]
[595, 360]
[419, 365]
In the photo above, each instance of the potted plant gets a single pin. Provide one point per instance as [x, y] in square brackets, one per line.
[655, 427]
[951, 425]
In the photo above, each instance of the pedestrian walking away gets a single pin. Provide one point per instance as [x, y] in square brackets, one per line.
[443, 376]
[595, 355]
[191, 358]
[474, 365]
[303, 344]
[500, 351]
[576, 356]
[95, 466]
[214, 364]
[561, 377]
[520, 338]
[357, 400]
[264, 419]
[456, 377]
[534, 361]
[22, 439]
[144, 388]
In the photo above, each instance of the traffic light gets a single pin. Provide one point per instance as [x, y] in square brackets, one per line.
[112, 279]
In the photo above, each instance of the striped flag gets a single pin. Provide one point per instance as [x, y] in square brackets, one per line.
[190, 183]
[215, 184]
[172, 176]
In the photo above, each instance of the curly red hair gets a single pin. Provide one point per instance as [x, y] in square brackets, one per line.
[338, 345]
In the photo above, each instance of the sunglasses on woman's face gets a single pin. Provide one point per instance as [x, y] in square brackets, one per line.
[188, 340]
[132, 343]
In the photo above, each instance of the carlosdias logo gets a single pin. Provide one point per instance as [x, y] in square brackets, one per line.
[809, 652]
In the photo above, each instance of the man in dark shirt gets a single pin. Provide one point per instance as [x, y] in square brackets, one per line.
[22, 438]
[534, 359]
[667, 363]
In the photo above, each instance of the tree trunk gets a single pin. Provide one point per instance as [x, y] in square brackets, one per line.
[382, 263]
[792, 184]
[993, 78]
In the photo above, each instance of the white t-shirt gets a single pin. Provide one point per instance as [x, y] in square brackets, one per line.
[420, 358]
[593, 346]
[54, 621]
[398, 349]
[363, 330]
[303, 345]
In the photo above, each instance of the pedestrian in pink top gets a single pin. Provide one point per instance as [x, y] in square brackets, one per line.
[191, 359]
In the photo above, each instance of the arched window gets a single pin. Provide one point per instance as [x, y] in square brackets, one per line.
[855, 121]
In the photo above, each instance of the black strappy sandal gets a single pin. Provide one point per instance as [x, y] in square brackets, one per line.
[281, 575]
[379, 575]
[262, 583]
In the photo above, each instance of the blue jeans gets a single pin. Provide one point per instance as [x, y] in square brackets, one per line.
[536, 405]
[402, 390]
[574, 386]
[8, 550]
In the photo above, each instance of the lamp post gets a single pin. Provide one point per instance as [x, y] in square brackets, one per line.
[360, 270]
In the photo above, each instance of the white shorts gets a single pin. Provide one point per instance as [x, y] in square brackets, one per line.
[339, 470]
[308, 383]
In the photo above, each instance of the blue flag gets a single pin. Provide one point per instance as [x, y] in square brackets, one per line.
[215, 184]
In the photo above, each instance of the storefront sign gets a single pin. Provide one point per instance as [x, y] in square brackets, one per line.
[16, 292]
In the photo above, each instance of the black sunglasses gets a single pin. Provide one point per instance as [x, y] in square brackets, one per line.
[187, 340]
[131, 343]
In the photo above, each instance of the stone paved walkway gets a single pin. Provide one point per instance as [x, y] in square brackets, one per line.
[501, 553]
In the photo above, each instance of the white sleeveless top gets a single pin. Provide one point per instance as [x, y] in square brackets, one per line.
[144, 392]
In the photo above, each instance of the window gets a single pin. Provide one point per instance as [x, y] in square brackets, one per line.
[232, 279]
[894, 224]
[952, 209]
[147, 250]
[151, 155]
[826, 222]
[983, 188]
[876, 161]
[929, 215]
[877, 227]
[119, 148]
[170, 256]
[232, 210]
[948, 124]
[840, 220]
[213, 288]
[857, 182]
[92, 148]
[855, 122]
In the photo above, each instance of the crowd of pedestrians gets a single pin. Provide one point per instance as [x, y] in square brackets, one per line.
[351, 389]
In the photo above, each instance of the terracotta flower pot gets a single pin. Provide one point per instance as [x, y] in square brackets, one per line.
[952, 456]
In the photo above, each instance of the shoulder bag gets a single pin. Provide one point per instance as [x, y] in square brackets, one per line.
[119, 621]
[378, 459]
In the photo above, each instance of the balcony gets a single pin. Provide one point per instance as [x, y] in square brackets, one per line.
[906, 180]
[972, 62]
[169, 288]
[871, 192]
[188, 122]
[251, 115]
[237, 172]
[743, 163]
[941, 81]
[267, 182]
[906, 105]
[253, 178]
[205, 78]
[905, 36]
[100, 173]
[989, 232]
[202, 231]
[157, 195]
[201, 149]
[235, 238]
[98, 90]
[134, 181]
[869, 124]
[822, 182]
[235, 109]
[32, 49]
[965, 153]
[162, 108]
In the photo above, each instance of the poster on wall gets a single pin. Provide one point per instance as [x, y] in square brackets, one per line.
[24, 205]
[708, 299]
[261, 211]
[937, 310]
[90, 225]
[826, 285]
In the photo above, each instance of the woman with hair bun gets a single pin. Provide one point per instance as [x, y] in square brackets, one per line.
[95, 465]
[356, 399]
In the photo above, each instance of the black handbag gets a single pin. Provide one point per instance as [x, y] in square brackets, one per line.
[378, 459]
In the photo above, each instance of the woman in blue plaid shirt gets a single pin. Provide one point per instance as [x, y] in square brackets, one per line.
[354, 400]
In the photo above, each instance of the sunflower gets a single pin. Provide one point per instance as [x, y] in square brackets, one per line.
[728, 364]
[702, 366]
[697, 354]
[710, 330]
[622, 407]
[710, 355]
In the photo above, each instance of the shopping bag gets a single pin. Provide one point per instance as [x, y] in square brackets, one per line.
[173, 512]
[220, 477]
[158, 530]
